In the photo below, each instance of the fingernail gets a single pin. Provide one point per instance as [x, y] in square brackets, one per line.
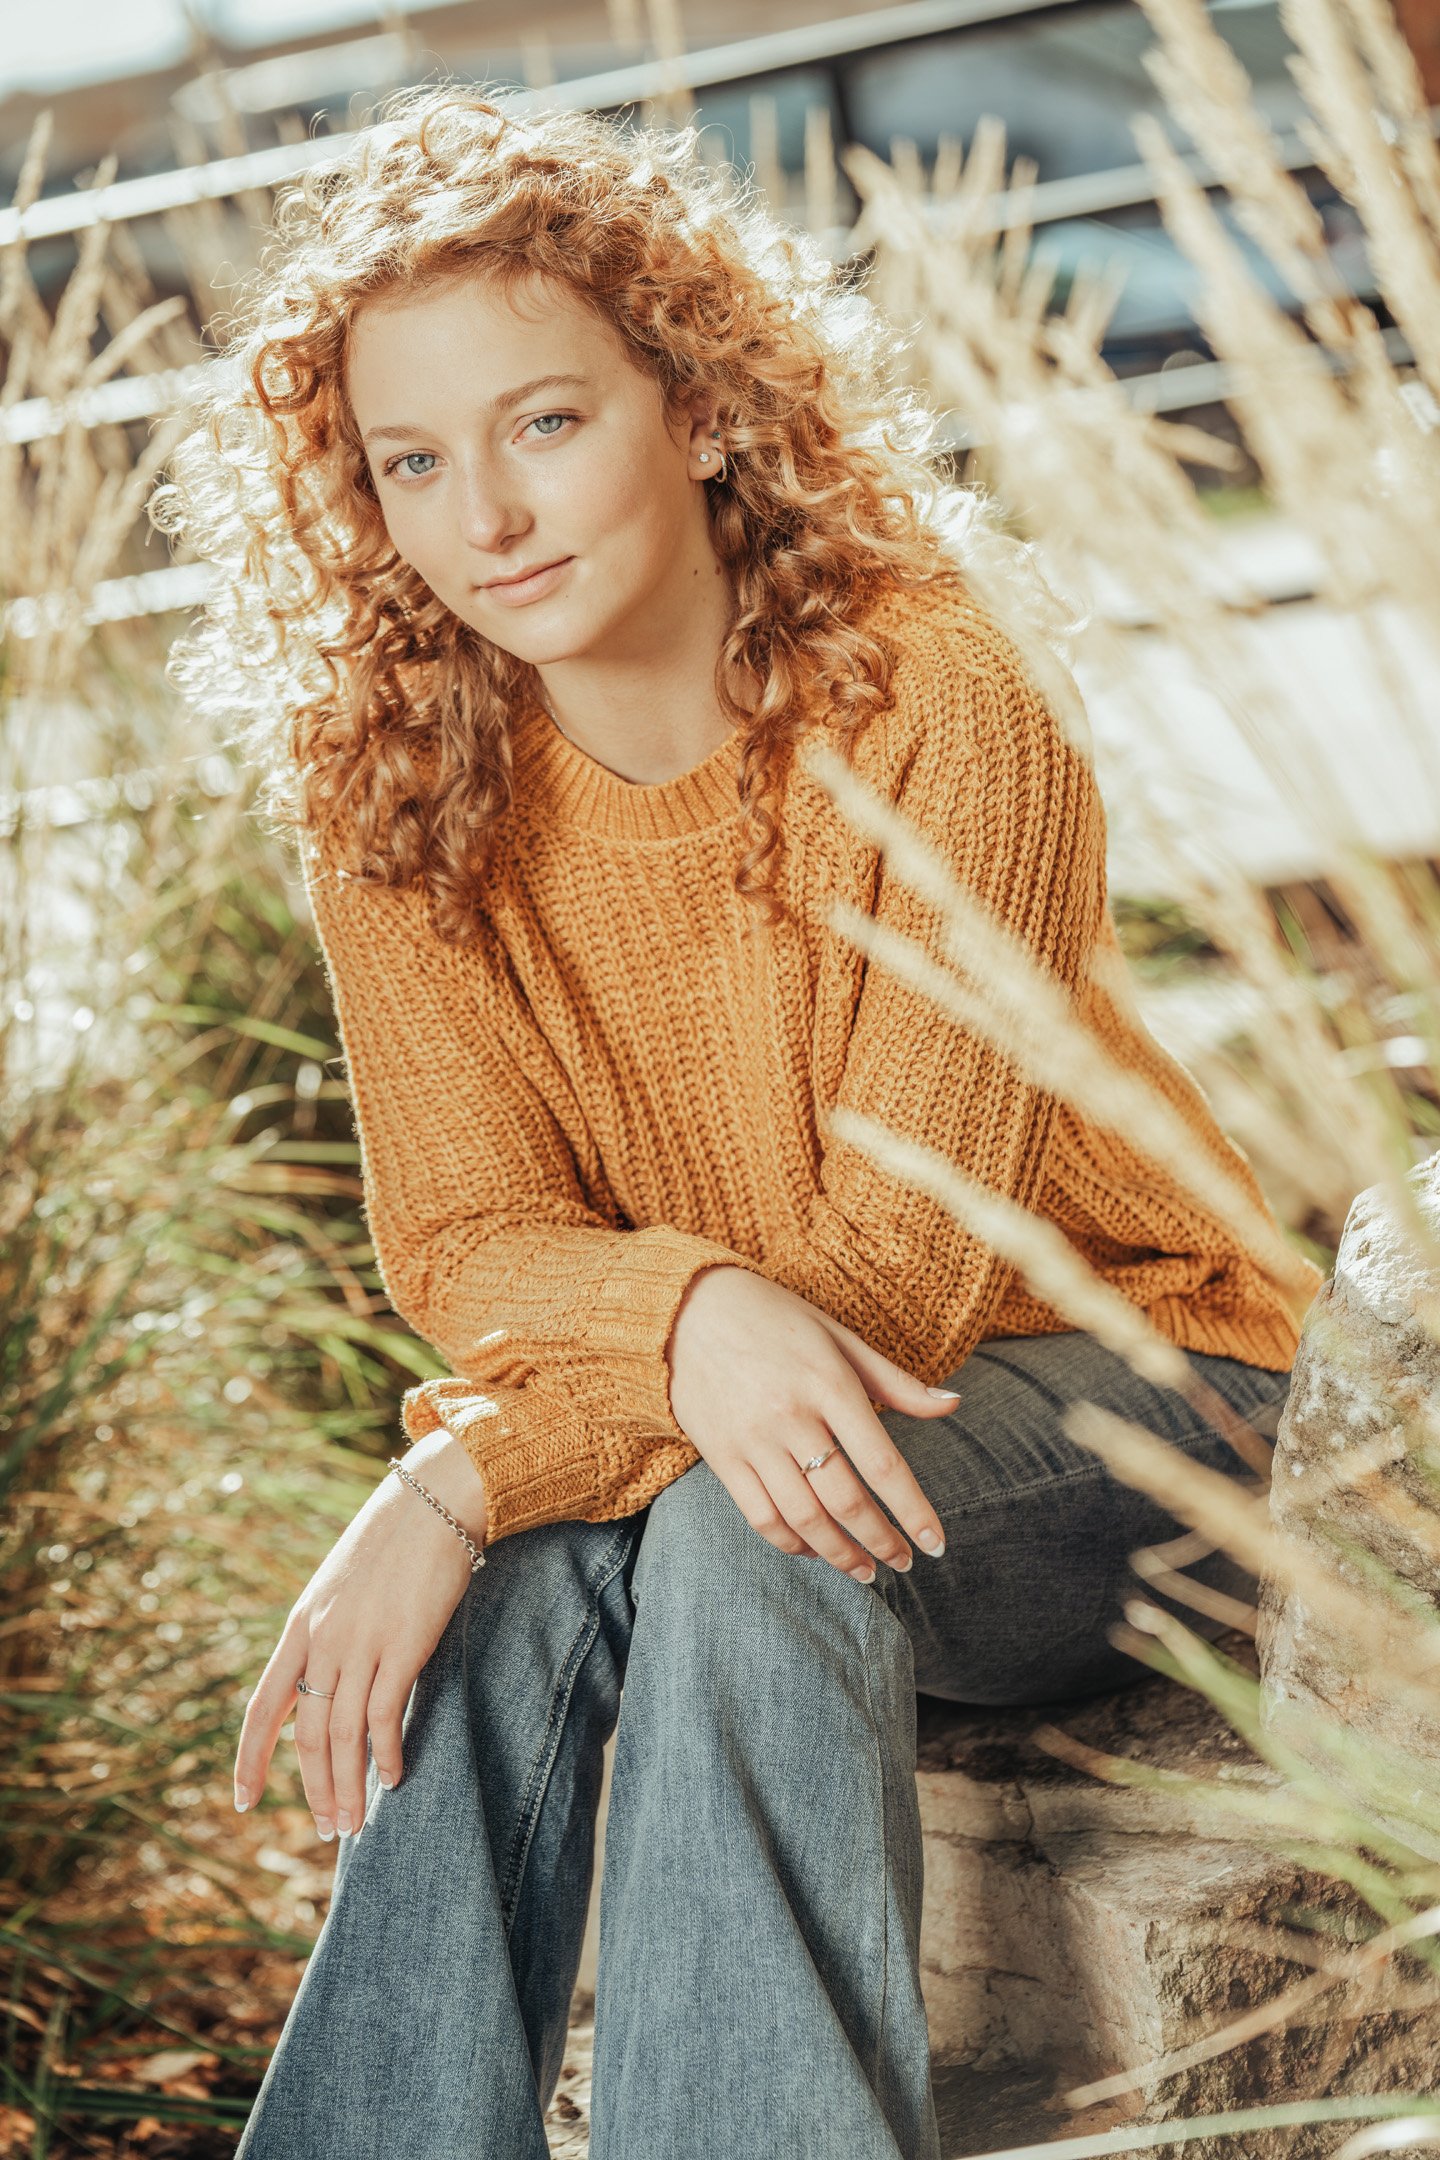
[345, 1823]
[387, 1781]
[868, 1576]
[324, 1825]
[932, 1543]
[953, 1393]
[903, 1567]
[242, 1801]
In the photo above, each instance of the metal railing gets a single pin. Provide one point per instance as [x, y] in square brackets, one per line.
[776, 52]
[151, 194]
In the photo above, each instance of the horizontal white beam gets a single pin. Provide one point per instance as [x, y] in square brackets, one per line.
[122, 599]
[150, 194]
[79, 802]
[110, 404]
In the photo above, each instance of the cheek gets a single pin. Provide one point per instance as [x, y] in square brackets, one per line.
[416, 538]
[635, 490]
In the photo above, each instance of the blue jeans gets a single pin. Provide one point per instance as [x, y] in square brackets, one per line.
[758, 1989]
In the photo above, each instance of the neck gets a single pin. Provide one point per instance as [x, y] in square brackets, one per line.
[646, 707]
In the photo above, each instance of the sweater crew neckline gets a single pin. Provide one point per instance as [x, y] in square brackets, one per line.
[576, 789]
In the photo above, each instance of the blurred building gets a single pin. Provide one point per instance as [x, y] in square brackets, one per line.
[142, 81]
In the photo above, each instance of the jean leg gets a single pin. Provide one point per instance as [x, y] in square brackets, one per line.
[431, 2018]
[1038, 1532]
[758, 1988]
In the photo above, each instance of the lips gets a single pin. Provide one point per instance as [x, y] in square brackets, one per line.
[521, 576]
[536, 585]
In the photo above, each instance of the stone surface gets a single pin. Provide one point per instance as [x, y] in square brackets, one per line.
[1366, 1384]
[1093, 1927]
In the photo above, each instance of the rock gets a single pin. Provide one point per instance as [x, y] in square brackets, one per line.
[1366, 1384]
[1081, 1929]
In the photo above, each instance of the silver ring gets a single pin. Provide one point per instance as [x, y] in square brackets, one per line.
[303, 1686]
[816, 1460]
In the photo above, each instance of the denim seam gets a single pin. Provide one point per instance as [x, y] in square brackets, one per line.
[544, 1762]
[543, 1765]
[1071, 1477]
[886, 1841]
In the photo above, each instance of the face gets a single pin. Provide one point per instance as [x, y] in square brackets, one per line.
[482, 469]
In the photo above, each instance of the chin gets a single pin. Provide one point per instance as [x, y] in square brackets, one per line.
[537, 647]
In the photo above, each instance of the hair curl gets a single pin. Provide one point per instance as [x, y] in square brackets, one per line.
[331, 664]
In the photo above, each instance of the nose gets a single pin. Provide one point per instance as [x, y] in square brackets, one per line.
[487, 518]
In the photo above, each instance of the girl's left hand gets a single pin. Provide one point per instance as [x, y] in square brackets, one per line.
[362, 1629]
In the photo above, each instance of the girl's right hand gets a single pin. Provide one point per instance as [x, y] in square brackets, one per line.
[761, 1380]
[361, 1631]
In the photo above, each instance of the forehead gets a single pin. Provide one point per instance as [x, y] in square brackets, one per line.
[485, 323]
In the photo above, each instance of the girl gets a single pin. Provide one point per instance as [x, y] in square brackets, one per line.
[559, 494]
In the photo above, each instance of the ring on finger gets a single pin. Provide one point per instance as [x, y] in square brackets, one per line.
[814, 1464]
[816, 1460]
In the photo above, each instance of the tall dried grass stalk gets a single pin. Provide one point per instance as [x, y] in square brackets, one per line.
[1351, 456]
[1027, 1013]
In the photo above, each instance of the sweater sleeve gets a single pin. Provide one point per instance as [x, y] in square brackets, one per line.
[989, 778]
[554, 1317]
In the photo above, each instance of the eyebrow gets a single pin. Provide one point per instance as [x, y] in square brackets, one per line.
[493, 407]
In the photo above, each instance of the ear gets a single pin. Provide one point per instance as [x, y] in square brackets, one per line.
[705, 425]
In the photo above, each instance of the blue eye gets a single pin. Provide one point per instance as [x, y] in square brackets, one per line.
[550, 433]
[407, 458]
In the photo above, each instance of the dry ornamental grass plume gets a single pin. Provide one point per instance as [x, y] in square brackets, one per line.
[1346, 447]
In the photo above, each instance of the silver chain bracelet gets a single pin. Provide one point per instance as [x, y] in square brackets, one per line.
[477, 1558]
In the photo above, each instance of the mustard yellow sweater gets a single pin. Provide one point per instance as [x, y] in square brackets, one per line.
[616, 1088]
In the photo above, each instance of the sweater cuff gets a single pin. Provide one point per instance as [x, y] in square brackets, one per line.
[632, 1316]
[531, 1455]
[539, 1457]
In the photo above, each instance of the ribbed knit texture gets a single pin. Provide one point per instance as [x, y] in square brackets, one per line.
[619, 1086]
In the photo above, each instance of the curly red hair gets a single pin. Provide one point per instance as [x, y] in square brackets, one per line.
[357, 692]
